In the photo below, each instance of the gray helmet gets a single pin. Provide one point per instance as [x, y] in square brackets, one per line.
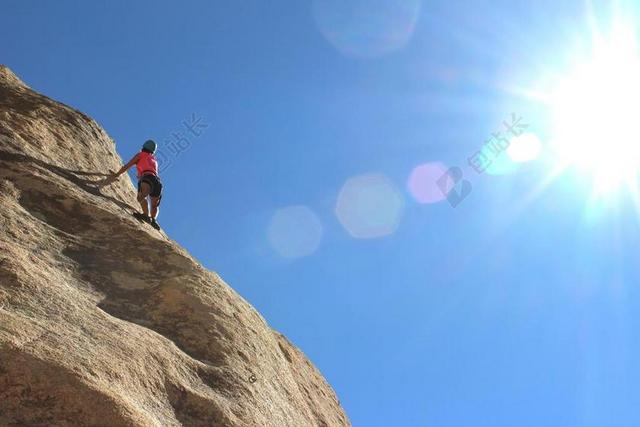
[150, 145]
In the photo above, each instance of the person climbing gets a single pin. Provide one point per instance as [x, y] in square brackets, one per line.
[149, 185]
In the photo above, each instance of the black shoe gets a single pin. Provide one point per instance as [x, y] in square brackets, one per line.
[155, 224]
[142, 217]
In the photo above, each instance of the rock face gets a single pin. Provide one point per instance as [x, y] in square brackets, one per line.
[106, 322]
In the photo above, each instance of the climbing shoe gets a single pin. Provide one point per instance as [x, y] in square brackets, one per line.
[154, 224]
[142, 217]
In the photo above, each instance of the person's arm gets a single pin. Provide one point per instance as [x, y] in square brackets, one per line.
[122, 170]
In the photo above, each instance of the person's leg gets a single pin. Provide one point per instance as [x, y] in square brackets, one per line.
[143, 192]
[155, 207]
[155, 196]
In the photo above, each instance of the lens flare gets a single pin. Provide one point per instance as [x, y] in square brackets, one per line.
[369, 206]
[524, 148]
[501, 163]
[367, 28]
[294, 232]
[423, 183]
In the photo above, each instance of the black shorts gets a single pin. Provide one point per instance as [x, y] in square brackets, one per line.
[154, 183]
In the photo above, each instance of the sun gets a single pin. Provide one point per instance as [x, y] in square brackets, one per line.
[596, 109]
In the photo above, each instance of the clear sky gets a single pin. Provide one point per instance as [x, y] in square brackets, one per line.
[311, 188]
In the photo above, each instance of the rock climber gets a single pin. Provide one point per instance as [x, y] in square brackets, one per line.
[149, 185]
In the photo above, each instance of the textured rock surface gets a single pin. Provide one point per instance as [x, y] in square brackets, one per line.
[93, 331]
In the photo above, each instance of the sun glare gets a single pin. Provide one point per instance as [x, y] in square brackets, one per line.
[596, 110]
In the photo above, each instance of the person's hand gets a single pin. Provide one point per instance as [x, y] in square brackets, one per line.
[108, 180]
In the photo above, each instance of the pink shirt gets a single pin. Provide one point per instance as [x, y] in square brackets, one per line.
[147, 163]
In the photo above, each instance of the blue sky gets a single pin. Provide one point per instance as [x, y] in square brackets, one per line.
[515, 308]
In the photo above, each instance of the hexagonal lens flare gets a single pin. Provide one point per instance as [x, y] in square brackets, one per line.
[423, 183]
[369, 206]
[367, 28]
[294, 232]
